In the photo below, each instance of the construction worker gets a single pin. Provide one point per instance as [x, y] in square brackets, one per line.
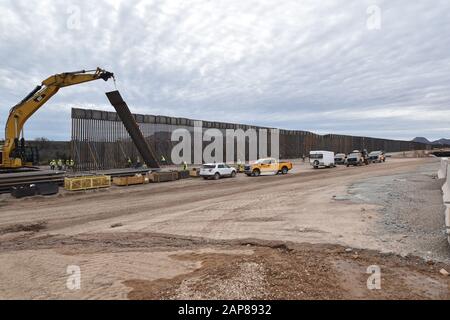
[70, 164]
[130, 163]
[185, 166]
[52, 164]
[240, 166]
[138, 163]
[163, 160]
[60, 164]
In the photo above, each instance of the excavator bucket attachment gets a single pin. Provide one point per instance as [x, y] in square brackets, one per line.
[133, 129]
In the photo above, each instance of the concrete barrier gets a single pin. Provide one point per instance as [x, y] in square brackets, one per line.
[447, 222]
[442, 173]
[447, 219]
[446, 187]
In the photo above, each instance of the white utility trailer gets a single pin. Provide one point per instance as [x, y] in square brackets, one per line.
[321, 159]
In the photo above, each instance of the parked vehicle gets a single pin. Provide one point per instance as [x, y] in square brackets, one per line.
[321, 159]
[357, 158]
[340, 158]
[216, 171]
[269, 165]
[377, 156]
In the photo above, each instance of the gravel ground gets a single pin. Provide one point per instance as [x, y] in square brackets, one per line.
[298, 271]
[308, 235]
[412, 211]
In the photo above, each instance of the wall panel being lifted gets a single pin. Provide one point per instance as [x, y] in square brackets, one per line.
[130, 123]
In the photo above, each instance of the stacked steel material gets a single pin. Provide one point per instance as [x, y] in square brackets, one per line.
[10, 180]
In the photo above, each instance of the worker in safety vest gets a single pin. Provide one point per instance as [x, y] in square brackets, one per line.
[240, 166]
[70, 164]
[185, 166]
[53, 164]
[60, 164]
[163, 160]
[130, 163]
[138, 162]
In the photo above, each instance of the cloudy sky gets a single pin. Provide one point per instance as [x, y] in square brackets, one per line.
[375, 68]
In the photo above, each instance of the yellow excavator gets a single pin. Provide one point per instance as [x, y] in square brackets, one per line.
[15, 154]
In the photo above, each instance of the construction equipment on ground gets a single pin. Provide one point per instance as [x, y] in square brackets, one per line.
[87, 183]
[131, 180]
[194, 172]
[15, 154]
[156, 177]
[18, 179]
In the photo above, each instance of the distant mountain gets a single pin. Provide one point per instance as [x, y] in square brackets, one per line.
[421, 140]
[442, 141]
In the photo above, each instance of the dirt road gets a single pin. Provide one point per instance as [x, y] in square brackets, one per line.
[268, 237]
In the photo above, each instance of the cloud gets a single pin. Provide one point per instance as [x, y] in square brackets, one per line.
[293, 64]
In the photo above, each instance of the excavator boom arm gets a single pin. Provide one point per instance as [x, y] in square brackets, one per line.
[20, 113]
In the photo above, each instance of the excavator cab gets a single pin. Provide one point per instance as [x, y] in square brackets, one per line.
[27, 154]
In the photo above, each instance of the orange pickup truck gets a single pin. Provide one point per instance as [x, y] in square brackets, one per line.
[269, 165]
